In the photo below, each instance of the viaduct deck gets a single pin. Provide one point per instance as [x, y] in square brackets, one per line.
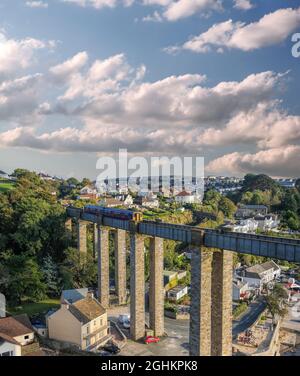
[259, 245]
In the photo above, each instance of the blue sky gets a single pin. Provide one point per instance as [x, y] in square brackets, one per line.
[82, 78]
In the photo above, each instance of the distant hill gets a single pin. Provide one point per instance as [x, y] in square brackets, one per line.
[261, 182]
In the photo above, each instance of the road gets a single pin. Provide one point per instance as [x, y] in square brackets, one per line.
[177, 340]
[248, 318]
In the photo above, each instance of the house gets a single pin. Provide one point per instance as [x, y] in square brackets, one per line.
[185, 197]
[2, 306]
[176, 293]
[46, 177]
[111, 202]
[3, 175]
[72, 296]
[247, 211]
[83, 324]
[260, 274]
[88, 193]
[169, 276]
[17, 337]
[267, 222]
[244, 225]
[126, 200]
[240, 289]
[147, 201]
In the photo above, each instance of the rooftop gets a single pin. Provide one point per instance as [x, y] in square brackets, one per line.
[184, 193]
[87, 309]
[260, 268]
[74, 295]
[15, 326]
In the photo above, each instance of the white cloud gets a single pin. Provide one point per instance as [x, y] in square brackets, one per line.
[271, 29]
[36, 4]
[19, 54]
[65, 71]
[99, 4]
[283, 161]
[172, 10]
[107, 104]
[243, 4]
[186, 8]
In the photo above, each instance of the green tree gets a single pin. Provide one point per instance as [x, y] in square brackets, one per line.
[24, 279]
[276, 301]
[227, 207]
[51, 276]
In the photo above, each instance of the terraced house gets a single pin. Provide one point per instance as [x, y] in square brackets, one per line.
[82, 324]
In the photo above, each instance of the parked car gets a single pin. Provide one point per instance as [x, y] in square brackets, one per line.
[104, 353]
[123, 318]
[112, 348]
[151, 339]
[126, 324]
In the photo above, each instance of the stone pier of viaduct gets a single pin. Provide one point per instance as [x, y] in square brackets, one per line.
[211, 272]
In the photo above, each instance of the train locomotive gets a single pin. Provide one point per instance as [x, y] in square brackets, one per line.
[114, 213]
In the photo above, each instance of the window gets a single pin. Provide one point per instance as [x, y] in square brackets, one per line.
[95, 322]
[26, 337]
[7, 353]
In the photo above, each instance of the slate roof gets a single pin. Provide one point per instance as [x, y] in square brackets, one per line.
[72, 296]
[86, 310]
[261, 268]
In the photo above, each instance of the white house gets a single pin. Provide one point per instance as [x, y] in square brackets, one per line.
[260, 274]
[267, 222]
[3, 175]
[176, 293]
[185, 197]
[16, 336]
[240, 289]
[244, 225]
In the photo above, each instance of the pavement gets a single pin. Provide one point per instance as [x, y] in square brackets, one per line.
[292, 319]
[177, 340]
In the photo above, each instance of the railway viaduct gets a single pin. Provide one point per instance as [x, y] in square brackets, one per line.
[211, 308]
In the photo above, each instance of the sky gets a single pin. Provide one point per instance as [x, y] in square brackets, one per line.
[80, 79]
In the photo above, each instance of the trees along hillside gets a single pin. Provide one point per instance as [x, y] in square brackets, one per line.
[34, 250]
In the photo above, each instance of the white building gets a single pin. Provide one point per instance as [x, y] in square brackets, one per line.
[3, 175]
[267, 222]
[88, 190]
[260, 274]
[176, 293]
[16, 333]
[245, 226]
[185, 197]
[240, 289]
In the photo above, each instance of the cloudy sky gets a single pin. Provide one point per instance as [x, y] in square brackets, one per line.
[215, 78]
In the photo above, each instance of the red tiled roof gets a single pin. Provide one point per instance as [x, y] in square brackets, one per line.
[183, 193]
